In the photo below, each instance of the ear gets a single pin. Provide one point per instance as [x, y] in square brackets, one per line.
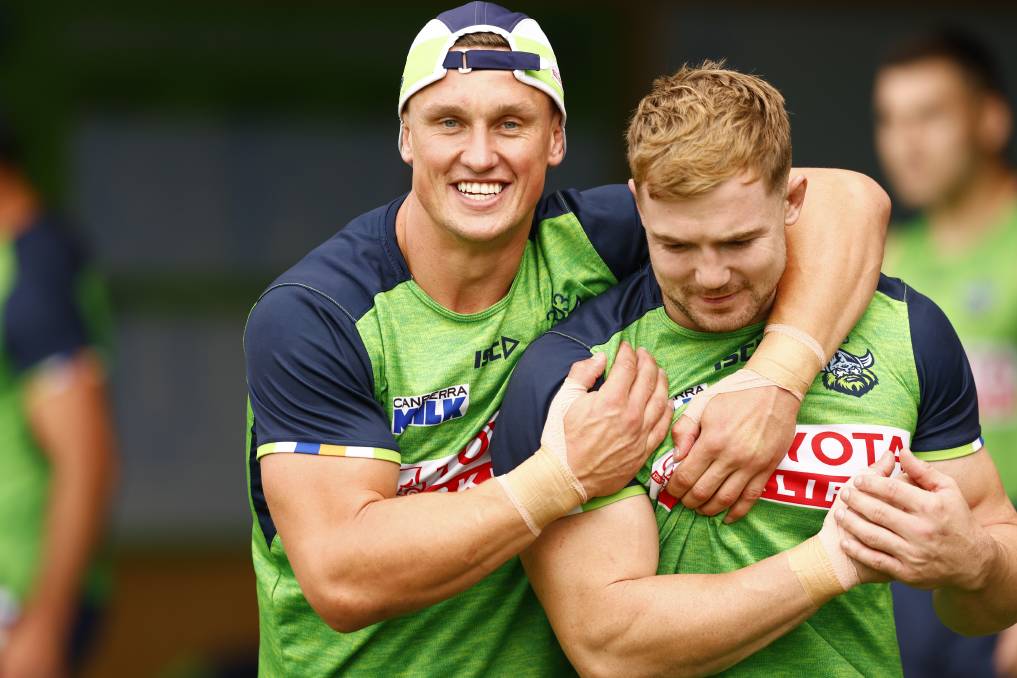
[996, 124]
[635, 196]
[405, 147]
[796, 186]
[556, 152]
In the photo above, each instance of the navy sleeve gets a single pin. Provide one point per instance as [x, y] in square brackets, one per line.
[948, 402]
[533, 385]
[42, 318]
[609, 217]
[310, 379]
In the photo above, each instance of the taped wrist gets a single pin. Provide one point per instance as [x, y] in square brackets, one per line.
[543, 489]
[789, 357]
[741, 380]
[815, 571]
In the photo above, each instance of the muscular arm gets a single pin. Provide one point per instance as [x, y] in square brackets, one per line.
[363, 554]
[990, 604]
[69, 415]
[835, 252]
[951, 529]
[595, 575]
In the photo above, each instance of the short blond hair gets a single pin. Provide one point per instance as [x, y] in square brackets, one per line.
[704, 125]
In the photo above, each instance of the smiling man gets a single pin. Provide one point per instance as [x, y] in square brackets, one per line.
[376, 368]
[639, 585]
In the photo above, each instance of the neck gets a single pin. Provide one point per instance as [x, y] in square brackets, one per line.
[18, 207]
[967, 214]
[461, 275]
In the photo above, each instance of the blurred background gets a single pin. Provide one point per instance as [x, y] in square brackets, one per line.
[201, 148]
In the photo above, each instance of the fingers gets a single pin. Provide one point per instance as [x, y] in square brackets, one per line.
[686, 475]
[878, 512]
[875, 560]
[884, 465]
[706, 486]
[684, 435]
[645, 382]
[586, 372]
[727, 494]
[893, 491]
[920, 472]
[873, 535]
[752, 492]
[658, 427]
[623, 373]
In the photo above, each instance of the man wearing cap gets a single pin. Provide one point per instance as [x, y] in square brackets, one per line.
[377, 364]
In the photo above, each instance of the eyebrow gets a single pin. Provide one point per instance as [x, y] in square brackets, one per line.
[745, 234]
[440, 110]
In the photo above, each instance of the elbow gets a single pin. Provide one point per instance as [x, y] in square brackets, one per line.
[345, 608]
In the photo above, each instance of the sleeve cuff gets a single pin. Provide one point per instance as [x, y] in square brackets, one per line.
[329, 451]
[952, 453]
[601, 502]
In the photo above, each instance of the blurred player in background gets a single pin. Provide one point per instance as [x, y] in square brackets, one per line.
[57, 463]
[942, 128]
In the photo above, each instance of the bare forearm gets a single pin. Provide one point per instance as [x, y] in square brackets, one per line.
[76, 510]
[404, 553]
[835, 252]
[991, 607]
[687, 625]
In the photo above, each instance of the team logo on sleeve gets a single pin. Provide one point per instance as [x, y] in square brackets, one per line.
[430, 409]
[850, 374]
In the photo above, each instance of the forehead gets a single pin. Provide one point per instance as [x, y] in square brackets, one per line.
[919, 82]
[737, 204]
[480, 93]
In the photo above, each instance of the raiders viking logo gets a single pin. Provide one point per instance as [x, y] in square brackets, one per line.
[850, 374]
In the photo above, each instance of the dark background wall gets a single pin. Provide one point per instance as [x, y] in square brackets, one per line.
[203, 147]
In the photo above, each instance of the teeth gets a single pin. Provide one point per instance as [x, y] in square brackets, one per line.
[473, 189]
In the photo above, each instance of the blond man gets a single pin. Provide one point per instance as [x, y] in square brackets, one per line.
[637, 583]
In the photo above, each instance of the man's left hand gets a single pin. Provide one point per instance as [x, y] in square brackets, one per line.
[728, 457]
[918, 529]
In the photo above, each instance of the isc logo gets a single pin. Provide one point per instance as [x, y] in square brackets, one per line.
[430, 409]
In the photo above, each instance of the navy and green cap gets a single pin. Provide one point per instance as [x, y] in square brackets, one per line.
[530, 57]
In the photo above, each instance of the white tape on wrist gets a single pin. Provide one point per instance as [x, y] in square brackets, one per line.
[741, 380]
[544, 487]
[801, 336]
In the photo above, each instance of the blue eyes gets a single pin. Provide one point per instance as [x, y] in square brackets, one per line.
[451, 123]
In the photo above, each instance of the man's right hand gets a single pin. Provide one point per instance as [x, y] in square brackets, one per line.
[609, 433]
[832, 535]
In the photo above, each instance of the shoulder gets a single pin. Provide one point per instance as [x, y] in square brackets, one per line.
[595, 206]
[607, 217]
[46, 250]
[599, 319]
[352, 267]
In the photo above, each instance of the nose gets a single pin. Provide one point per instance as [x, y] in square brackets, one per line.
[480, 154]
[711, 273]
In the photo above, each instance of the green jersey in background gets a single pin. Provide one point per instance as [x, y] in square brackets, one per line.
[977, 289]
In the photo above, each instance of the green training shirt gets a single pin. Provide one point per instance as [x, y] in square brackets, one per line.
[51, 307]
[899, 380]
[348, 357]
[977, 289]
